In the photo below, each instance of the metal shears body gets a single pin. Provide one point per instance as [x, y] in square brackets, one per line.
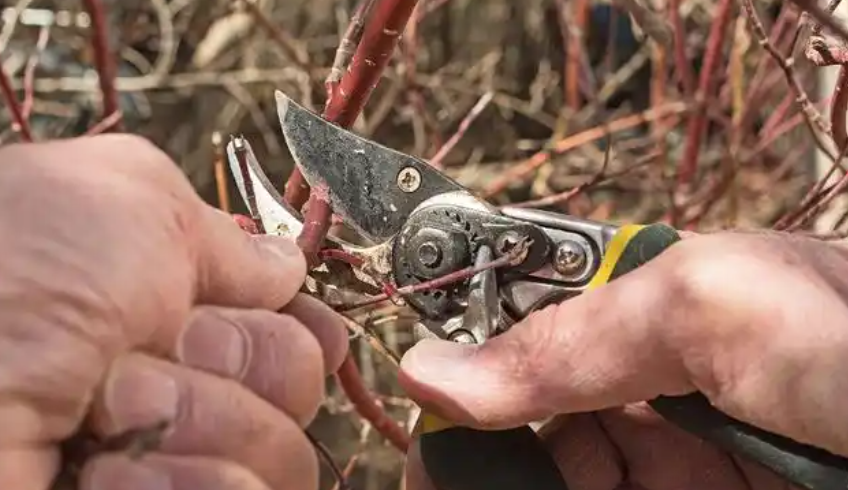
[421, 225]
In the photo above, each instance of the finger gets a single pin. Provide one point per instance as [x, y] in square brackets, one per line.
[660, 456]
[162, 472]
[598, 350]
[210, 416]
[272, 354]
[28, 468]
[327, 326]
[586, 457]
[241, 270]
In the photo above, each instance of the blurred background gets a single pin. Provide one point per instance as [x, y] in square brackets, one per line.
[531, 97]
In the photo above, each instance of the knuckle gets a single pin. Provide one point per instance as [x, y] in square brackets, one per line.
[288, 367]
[705, 318]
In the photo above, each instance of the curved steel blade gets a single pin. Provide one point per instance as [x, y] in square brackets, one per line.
[372, 187]
[277, 217]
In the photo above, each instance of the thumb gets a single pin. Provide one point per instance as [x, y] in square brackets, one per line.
[237, 269]
[602, 349]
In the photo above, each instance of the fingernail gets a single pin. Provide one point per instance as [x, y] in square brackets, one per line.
[217, 344]
[430, 359]
[111, 473]
[139, 396]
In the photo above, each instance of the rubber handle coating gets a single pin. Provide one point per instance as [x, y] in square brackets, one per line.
[459, 458]
[804, 465]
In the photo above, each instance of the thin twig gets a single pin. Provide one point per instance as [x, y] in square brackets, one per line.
[366, 405]
[600, 177]
[653, 25]
[681, 61]
[21, 124]
[476, 110]
[698, 119]
[822, 16]
[29, 72]
[508, 258]
[106, 124]
[812, 198]
[814, 120]
[347, 47]
[289, 46]
[521, 171]
[103, 57]
[348, 470]
[327, 457]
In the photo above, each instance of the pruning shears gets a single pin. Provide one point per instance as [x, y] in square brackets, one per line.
[421, 225]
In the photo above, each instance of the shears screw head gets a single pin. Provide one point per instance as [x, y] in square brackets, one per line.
[429, 254]
[462, 337]
[409, 179]
[569, 258]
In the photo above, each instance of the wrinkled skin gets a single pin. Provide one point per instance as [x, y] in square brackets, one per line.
[758, 322]
[122, 293]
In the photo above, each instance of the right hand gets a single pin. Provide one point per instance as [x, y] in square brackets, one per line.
[757, 322]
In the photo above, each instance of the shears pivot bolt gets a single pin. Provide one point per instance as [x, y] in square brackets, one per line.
[429, 254]
[569, 258]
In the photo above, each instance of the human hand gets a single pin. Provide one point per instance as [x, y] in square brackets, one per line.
[755, 321]
[123, 294]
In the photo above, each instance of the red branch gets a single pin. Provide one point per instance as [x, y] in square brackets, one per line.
[706, 85]
[21, 124]
[316, 223]
[355, 389]
[297, 189]
[107, 71]
[684, 69]
[437, 159]
[385, 21]
[379, 39]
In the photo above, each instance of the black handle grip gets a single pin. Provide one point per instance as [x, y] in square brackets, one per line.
[806, 466]
[459, 458]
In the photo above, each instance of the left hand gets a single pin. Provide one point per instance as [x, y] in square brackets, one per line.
[124, 295]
